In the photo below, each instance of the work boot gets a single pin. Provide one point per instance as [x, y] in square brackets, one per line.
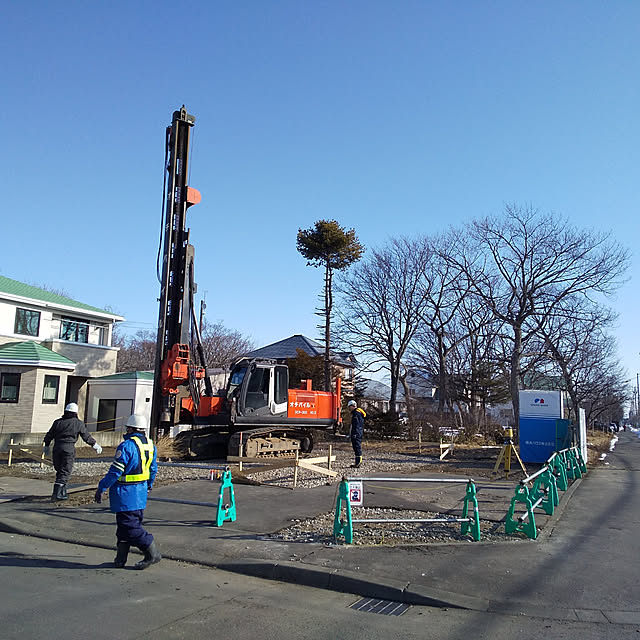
[63, 492]
[358, 462]
[122, 554]
[151, 556]
[57, 492]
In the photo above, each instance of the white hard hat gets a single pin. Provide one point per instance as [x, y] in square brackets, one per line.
[136, 421]
[72, 407]
[352, 403]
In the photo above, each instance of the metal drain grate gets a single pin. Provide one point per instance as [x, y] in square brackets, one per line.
[383, 607]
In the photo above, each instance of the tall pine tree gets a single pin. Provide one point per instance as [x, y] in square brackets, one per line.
[328, 245]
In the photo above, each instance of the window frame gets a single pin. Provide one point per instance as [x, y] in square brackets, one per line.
[44, 388]
[2, 386]
[26, 321]
[65, 323]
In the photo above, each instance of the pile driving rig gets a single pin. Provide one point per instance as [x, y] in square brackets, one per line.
[257, 414]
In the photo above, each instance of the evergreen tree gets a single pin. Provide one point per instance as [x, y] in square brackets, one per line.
[328, 245]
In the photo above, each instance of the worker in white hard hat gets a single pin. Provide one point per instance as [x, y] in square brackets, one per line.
[129, 479]
[357, 430]
[64, 432]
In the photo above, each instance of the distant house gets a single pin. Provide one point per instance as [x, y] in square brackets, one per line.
[421, 385]
[288, 348]
[373, 394]
[50, 346]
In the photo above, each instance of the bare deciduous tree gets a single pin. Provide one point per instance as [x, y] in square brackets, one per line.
[223, 346]
[382, 301]
[526, 263]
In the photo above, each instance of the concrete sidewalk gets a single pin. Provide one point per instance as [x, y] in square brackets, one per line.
[444, 574]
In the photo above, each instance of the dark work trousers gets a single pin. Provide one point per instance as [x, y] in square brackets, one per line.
[356, 442]
[64, 455]
[129, 529]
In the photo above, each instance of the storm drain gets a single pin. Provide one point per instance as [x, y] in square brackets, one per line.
[383, 607]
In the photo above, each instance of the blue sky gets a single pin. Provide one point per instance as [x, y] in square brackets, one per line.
[395, 118]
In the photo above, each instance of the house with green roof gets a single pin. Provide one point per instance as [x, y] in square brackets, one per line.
[50, 346]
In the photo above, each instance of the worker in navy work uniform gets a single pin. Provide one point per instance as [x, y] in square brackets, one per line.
[129, 478]
[64, 432]
[357, 429]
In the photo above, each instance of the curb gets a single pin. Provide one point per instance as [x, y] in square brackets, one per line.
[294, 573]
[350, 582]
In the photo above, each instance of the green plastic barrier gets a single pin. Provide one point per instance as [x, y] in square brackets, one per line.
[226, 512]
[342, 527]
[525, 525]
[581, 462]
[472, 527]
[545, 487]
[560, 471]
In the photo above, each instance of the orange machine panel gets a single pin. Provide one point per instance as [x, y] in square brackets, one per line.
[209, 406]
[313, 405]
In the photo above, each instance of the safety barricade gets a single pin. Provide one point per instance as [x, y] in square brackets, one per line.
[543, 492]
[225, 509]
[343, 526]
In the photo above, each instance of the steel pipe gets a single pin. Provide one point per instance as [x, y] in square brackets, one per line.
[458, 481]
[534, 475]
[413, 520]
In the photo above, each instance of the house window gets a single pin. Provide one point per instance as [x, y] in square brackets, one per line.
[50, 390]
[106, 415]
[9, 387]
[103, 332]
[74, 330]
[27, 322]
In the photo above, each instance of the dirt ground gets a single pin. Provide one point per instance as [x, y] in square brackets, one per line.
[470, 460]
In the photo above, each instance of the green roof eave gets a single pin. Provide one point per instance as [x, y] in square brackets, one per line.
[125, 375]
[32, 354]
[20, 292]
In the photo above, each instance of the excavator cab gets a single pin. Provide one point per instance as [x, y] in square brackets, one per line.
[259, 389]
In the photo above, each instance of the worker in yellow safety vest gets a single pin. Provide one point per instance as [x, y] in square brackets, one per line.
[129, 479]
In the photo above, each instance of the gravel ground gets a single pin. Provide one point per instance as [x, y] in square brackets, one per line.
[377, 460]
[320, 529]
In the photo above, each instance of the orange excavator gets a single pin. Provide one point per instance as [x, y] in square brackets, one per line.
[257, 415]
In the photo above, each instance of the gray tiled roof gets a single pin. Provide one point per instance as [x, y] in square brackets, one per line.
[375, 390]
[288, 347]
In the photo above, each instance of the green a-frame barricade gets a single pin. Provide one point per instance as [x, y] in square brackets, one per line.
[343, 525]
[226, 510]
[562, 466]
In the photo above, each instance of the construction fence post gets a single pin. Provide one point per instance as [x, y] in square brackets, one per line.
[526, 524]
[474, 526]
[226, 511]
[560, 471]
[340, 526]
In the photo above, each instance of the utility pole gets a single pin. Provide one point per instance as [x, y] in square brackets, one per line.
[637, 398]
[203, 306]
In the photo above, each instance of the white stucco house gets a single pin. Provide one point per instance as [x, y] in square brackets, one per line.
[50, 346]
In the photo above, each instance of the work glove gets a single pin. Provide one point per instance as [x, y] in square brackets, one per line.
[98, 497]
[47, 450]
[98, 448]
[149, 487]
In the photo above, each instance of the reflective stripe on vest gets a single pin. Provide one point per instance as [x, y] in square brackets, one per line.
[146, 458]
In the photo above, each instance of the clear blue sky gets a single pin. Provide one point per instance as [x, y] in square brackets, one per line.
[394, 118]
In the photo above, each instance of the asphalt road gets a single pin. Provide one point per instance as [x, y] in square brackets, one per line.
[578, 581]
